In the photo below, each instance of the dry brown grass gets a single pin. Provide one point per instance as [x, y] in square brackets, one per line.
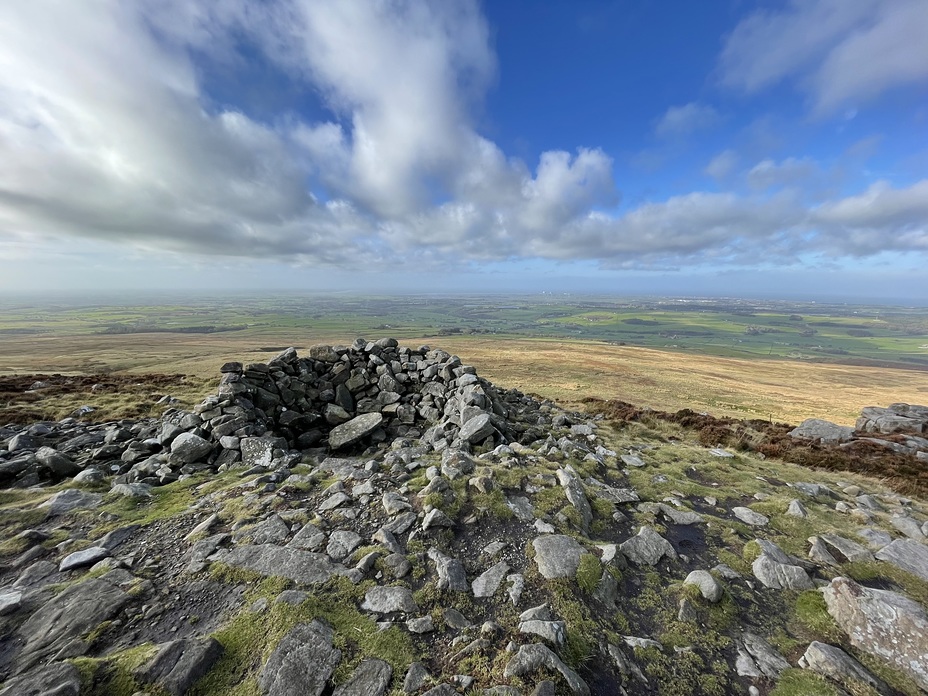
[566, 371]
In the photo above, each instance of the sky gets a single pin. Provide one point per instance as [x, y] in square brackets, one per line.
[734, 147]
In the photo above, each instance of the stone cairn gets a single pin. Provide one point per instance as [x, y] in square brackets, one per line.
[338, 399]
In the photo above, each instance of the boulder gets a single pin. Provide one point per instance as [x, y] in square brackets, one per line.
[531, 658]
[834, 663]
[302, 662]
[907, 554]
[647, 548]
[882, 623]
[557, 556]
[823, 431]
[303, 567]
[370, 678]
[189, 448]
[354, 430]
[179, 663]
[387, 600]
[708, 586]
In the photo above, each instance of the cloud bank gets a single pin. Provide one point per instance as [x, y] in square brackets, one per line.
[109, 132]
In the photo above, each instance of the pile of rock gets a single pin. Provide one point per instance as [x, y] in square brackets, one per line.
[899, 427]
[265, 415]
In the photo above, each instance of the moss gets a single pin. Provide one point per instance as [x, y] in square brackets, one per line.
[249, 638]
[113, 675]
[220, 572]
[812, 613]
[902, 683]
[751, 552]
[867, 571]
[492, 504]
[800, 682]
[589, 572]
[549, 500]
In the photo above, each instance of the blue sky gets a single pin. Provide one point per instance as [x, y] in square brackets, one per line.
[734, 147]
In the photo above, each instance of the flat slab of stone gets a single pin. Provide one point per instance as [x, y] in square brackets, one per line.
[748, 516]
[303, 567]
[534, 657]
[86, 557]
[647, 547]
[370, 678]
[388, 600]
[832, 662]
[477, 429]
[907, 554]
[822, 431]
[302, 662]
[56, 679]
[354, 430]
[179, 663]
[488, 583]
[70, 615]
[71, 499]
[557, 556]
[882, 623]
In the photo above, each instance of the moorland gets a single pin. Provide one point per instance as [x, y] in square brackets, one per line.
[774, 360]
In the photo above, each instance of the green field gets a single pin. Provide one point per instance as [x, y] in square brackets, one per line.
[731, 328]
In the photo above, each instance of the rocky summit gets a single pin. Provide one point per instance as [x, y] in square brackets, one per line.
[376, 519]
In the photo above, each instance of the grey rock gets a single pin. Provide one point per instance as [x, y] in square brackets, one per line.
[767, 659]
[415, 679]
[308, 538]
[342, 543]
[450, 571]
[455, 619]
[797, 509]
[354, 430]
[303, 567]
[557, 556]
[333, 501]
[189, 448]
[422, 624]
[531, 658]
[709, 587]
[477, 429]
[394, 503]
[132, 490]
[845, 549]
[10, 600]
[834, 663]
[436, 518]
[56, 679]
[58, 464]
[86, 557]
[822, 431]
[273, 530]
[775, 570]
[677, 516]
[387, 600]
[911, 528]
[179, 663]
[632, 460]
[71, 499]
[907, 554]
[488, 583]
[302, 662]
[748, 516]
[647, 548]
[876, 538]
[370, 678]
[257, 452]
[554, 632]
[521, 508]
[882, 623]
[70, 615]
[569, 481]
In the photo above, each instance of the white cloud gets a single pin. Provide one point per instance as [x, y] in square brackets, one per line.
[840, 52]
[790, 172]
[108, 134]
[722, 165]
[680, 121]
